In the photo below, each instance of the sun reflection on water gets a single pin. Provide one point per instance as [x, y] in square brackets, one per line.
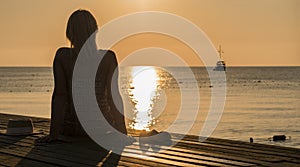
[142, 92]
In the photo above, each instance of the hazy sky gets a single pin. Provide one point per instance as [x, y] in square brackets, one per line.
[252, 32]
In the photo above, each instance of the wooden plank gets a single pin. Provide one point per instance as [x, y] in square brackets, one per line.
[195, 156]
[271, 156]
[287, 164]
[234, 154]
[45, 158]
[242, 144]
[167, 159]
[229, 158]
[59, 148]
[72, 151]
[188, 152]
[8, 160]
[237, 143]
[162, 158]
[137, 149]
[222, 145]
[155, 163]
[56, 153]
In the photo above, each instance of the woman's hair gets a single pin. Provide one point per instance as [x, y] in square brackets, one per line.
[81, 25]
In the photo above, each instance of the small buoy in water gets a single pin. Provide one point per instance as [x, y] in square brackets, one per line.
[251, 140]
[279, 138]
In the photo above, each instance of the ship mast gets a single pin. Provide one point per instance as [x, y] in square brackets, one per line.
[220, 52]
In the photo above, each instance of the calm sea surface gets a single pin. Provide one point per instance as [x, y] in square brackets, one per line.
[260, 101]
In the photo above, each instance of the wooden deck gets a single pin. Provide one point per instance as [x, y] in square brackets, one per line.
[21, 151]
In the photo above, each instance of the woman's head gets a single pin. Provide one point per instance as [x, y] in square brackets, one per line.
[81, 25]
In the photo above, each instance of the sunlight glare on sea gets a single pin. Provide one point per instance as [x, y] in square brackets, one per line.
[143, 91]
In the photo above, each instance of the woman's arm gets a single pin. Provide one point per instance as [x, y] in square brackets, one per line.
[114, 97]
[59, 96]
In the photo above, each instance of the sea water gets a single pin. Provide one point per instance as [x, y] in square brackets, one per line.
[260, 101]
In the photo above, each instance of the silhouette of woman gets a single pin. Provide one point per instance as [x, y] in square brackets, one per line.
[81, 25]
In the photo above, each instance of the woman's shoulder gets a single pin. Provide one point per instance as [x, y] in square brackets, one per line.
[61, 53]
[108, 54]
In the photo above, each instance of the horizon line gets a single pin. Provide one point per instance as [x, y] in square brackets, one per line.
[168, 66]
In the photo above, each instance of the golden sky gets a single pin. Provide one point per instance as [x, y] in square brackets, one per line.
[252, 32]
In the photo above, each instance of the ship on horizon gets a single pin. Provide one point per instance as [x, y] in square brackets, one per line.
[220, 65]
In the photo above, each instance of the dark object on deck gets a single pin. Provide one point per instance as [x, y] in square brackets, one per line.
[279, 138]
[251, 140]
[17, 127]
